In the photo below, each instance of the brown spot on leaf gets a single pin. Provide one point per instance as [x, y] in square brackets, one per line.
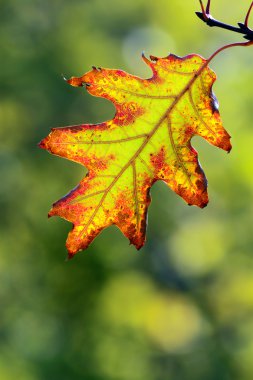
[127, 113]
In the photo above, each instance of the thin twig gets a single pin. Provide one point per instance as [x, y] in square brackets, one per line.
[247, 16]
[248, 43]
[208, 7]
[203, 11]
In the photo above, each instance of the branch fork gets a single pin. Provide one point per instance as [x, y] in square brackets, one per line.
[242, 28]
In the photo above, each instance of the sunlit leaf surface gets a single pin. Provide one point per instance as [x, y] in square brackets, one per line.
[149, 139]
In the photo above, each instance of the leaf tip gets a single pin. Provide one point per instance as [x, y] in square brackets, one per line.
[45, 143]
[201, 204]
[42, 144]
[229, 148]
[70, 256]
[95, 68]
[226, 144]
[75, 81]
[51, 213]
[204, 204]
[137, 241]
[145, 59]
[153, 58]
[73, 249]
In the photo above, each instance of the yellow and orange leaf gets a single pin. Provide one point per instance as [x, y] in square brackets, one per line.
[149, 139]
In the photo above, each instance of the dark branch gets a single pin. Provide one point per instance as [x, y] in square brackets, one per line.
[242, 27]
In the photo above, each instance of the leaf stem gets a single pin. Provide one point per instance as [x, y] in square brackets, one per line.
[248, 14]
[248, 43]
[203, 13]
[208, 7]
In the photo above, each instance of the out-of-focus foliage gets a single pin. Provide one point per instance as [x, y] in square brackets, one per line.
[182, 308]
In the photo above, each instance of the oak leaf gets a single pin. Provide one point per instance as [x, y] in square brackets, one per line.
[149, 139]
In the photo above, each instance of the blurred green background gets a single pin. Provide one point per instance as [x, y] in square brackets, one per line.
[182, 307]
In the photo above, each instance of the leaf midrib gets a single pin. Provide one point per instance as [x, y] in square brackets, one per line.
[147, 139]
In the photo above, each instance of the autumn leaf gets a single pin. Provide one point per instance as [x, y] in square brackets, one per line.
[149, 139]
